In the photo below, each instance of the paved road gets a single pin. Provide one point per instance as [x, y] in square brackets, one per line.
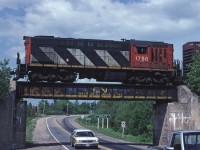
[52, 133]
[65, 125]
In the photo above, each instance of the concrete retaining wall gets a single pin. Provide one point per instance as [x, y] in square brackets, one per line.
[12, 121]
[7, 122]
[181, 115]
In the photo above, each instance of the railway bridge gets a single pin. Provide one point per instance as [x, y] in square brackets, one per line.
[95, 91]
[174, 108]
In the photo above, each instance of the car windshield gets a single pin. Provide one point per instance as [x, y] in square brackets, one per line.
[84, 134]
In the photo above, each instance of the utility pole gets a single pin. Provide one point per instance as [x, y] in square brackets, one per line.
[44, 107]
[102, 123]
[98, 123]
[107, 122]
[67, 109]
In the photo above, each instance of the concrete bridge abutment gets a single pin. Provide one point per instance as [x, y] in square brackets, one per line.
[12, 121]
[180, 115]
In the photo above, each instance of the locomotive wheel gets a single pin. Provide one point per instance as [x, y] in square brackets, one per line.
[66, 77]
[33, 76]
[149, 81]
[138, 78]
[53, 78]
[141, 78]
[44, 76]
[159, 79]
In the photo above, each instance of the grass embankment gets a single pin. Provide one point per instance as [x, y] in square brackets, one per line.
[30, 125]
[112, 133]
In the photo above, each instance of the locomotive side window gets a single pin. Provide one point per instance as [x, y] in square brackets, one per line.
[142, 50]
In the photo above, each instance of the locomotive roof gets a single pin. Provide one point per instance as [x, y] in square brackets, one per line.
[132, 41]
[147, 43]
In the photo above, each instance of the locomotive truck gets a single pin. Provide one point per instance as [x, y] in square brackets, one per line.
[51, 59]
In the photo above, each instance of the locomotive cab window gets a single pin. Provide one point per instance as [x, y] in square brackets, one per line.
[142, 50]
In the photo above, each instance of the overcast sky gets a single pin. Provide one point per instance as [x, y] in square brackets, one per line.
[171, 21]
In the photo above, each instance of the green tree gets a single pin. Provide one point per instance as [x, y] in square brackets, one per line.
[4, 79]
[193, 81]
[29, 109]
[136, 114]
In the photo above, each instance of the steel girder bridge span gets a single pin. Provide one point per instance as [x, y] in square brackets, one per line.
[95, 91]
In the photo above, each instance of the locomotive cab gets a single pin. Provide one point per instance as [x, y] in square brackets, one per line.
[148, 55]
[153, 61]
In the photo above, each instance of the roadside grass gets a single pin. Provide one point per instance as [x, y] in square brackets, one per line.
[110, 132]
[30, 126]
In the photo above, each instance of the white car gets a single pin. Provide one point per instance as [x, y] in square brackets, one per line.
[83, 138]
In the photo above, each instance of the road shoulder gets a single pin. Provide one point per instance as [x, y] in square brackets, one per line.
[42, 139]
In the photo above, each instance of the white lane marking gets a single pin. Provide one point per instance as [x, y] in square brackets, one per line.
[54, 136]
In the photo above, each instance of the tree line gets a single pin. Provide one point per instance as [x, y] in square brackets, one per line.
[58, 107]
[136, 114]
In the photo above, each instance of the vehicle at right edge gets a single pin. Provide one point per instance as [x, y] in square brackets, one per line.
[184, 140]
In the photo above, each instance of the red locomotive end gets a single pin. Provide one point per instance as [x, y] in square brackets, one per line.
[27, 44]
[151, 55]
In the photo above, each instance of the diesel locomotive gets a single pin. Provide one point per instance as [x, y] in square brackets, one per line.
[51, 59]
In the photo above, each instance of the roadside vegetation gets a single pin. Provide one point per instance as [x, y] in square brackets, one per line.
[137, 115]
[30, 125]
[4, 79]
[115, 134]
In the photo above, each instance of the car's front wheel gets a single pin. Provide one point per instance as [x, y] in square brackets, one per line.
[96, 147]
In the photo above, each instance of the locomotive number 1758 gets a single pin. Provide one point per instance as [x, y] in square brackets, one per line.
[141, 58]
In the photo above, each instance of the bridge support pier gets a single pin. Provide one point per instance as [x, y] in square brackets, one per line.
[12, 121]
[180, 115]
[7, 122]
[20, 128]
[159, 112]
